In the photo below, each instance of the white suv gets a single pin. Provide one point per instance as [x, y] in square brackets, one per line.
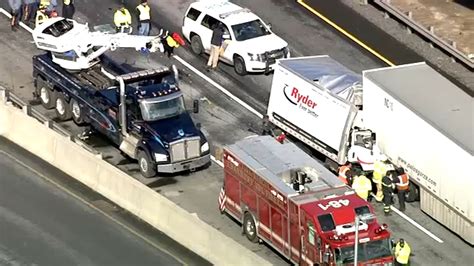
[252, 46]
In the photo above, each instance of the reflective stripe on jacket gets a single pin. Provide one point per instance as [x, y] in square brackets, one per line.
[403, 181]
[143, 12]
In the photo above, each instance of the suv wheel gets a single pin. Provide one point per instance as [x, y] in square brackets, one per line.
[239, 66]
[196, 44]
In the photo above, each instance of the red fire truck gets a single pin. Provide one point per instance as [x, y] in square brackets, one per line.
[293, 203]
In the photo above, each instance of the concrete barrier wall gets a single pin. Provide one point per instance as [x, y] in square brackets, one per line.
[122, 189]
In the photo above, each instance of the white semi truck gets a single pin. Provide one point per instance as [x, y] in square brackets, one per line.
[412, 114]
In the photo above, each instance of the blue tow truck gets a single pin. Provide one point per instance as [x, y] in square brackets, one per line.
[141, 112]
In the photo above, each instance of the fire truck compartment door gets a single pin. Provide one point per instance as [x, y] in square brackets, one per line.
[308, 239]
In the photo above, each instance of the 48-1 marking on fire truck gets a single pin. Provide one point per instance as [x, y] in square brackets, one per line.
[334, 204]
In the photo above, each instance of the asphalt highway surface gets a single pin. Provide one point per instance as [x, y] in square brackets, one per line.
[224, 120]
[42, 223]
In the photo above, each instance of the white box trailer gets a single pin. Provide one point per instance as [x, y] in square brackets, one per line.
[315, 99]
[424, 123]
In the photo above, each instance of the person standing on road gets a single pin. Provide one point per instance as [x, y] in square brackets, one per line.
[216, 42]
[387, 190]
[15, 11]
[144, 18]
[362, 186]
[380, 169]
[68, 9]
[402, 183]
[402, 252]
[29, 10]
[123, 19]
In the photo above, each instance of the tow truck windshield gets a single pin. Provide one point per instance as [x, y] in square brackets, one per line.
[162, 108]
[250, 30]
[366, 251]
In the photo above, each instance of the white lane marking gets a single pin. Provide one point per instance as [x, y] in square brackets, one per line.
[219, 87]
[26, 27]
[424, 230]
[255, 112]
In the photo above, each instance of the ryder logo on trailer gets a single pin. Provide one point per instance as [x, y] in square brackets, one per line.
[303, 101]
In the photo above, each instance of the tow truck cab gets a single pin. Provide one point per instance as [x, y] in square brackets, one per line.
[141, 112]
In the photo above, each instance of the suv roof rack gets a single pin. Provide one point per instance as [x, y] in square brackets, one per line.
[225, 15]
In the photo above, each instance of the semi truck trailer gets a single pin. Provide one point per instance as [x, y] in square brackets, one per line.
[425, 124]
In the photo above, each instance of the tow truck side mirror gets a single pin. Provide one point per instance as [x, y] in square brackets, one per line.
[196, 106]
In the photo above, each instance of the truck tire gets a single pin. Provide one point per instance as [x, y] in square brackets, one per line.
[46, 94]
[63, 109]
[239, 66]
[146, 165]
[413, 193]
[250, 229]
[196, 45]
[77, 112]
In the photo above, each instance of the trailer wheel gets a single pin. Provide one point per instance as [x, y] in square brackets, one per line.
[46, 94]
[250, 229]
[413, 193]
[63, 109]
[147, 166]
[76, 111]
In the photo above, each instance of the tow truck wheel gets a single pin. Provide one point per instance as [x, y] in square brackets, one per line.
[46, 94]
[250, 229]
[63, 110]
[239, 66]
[196, 44]
[76, 111]
[147, 166]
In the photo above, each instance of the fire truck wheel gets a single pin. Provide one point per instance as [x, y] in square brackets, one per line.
[77, 114]
[46, 94]
[63, 110]
[250, 229]
[147, 166]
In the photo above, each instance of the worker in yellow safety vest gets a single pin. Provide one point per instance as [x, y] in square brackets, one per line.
[402, 253]
[41, 16]
[362, 186]
[143, 11]
[380, 169]
[123, 19]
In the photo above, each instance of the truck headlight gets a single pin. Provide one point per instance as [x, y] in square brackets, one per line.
[205, 147]
[161, 157]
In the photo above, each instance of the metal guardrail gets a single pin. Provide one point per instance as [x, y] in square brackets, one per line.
[8, 96]
[428, 33]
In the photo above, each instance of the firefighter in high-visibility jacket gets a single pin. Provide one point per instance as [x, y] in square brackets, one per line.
[362, 186]
[343, 170]
[123, 20]
[388, 187]
[402, 253]
[402, 184]
[380, 169]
